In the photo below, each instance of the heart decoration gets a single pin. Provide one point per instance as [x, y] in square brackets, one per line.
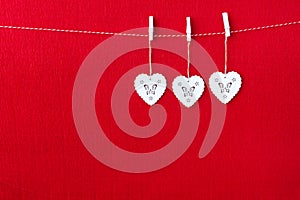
[225, 86]
[150, 88]
[188, 90]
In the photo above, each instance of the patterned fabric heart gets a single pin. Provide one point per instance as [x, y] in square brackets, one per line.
[188, 90]
[150, 88]
[225, 86]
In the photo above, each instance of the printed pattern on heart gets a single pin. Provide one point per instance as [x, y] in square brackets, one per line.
[225, 86]
[188, 90]
[150, 88]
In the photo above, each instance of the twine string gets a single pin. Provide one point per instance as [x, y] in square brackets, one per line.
[144, 35]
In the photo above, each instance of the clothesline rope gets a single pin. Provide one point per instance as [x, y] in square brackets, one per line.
[145, 35]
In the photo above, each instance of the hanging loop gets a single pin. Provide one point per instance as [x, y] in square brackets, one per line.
[227, 34]
[151, 36]
[189, 39]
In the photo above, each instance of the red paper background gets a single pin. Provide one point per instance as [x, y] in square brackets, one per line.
[42, 157]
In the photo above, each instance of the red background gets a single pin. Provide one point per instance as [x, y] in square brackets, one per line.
[41, 155]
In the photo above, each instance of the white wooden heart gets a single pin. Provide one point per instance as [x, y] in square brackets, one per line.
[150, 88]
[188, 90]
[225, 86]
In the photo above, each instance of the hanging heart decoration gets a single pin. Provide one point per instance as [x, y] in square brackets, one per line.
[150, 87]
[188, 90]
[225, 86]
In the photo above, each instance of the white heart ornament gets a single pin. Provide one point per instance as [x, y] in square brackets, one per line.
[150, 88]
[225, 86]
[188, 90]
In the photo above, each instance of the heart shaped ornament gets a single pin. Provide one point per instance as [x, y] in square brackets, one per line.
[225, 86]
[188, 90]
[150, 88]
